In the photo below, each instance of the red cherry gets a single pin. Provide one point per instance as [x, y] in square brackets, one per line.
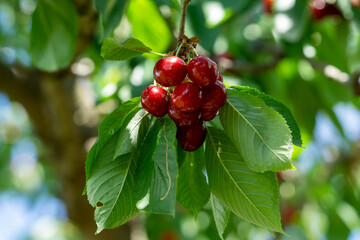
[208, 115]
[214, 97]
[183, 118]
[203, 71]
[155, 100]
[191, 138]
[321, 9]
[220, 78]
[187, 97]
[170, 71]
[268, 6]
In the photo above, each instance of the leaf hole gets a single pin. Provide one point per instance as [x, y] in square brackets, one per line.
[99, 204]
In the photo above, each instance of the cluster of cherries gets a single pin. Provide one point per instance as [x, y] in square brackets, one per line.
[198, 95]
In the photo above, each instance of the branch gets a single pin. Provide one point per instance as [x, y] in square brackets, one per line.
[182, 21]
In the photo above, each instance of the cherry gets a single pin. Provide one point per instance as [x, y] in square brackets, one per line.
[220, 78]
[183, 118]
[355, 3]
[170, 71]
[187, 97]
[208, 115]
[155, 100]
[191, 138]
[203, 71]
[214, 97]
[268, 6]
[321, 9]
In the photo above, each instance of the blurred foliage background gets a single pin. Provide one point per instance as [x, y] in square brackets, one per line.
[55, 89]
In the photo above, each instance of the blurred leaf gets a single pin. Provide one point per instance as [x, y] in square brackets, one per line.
[280, 108]
[54, 29]
[221, 215]
[290, 24]
[149, 25]
[259, 133]
[131, 48]
[252, 196]
[165, 151]
[111, 13]
[192, 191]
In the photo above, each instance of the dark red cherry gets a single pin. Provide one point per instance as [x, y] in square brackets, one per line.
[183, 118]
[220, 78]
[214, 97]
[203, 71]
[268, 6]
[321, 9]
[187, 97]
[155, 100]
[191, 138]
[170, 71]
[208, 115]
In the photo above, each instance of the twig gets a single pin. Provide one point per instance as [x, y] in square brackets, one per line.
[182, 21]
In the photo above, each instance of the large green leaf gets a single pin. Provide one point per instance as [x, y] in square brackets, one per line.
[108, 128]
[252, 196]
[221, 215]
[111, 13]
[162, 199]
[53, 35]
[279, 107]
[131, 48]
[149, 25]
[192, 191]
[259, 133]
[110, 187]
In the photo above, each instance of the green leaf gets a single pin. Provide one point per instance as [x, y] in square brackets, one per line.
[280, 108]
[192, 190]
[145, 168]
[165, 150]
[137, 125]
[111, 13]
[110, 187]
[221, 215]
[258, 132]
[149, 25]
[54, 29]
[131, 48]
[108, 128]
[252, 196]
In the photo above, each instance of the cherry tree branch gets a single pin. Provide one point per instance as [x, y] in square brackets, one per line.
[182, 21]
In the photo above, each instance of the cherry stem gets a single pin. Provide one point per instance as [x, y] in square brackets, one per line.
[182, 21]
[159, 54]
[194, 50]
[167, 164]
[178, 50]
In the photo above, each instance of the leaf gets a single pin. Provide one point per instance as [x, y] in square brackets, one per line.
[110, 187]
[192, 191]
[111, 13]
[258, 132]
[108, 128]
[54, 29]
[131, 48]
[280, 108]
[165, 150]
[221, 215]
[145, 168]
[137, 125]
[149, 25]
[252, 196]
